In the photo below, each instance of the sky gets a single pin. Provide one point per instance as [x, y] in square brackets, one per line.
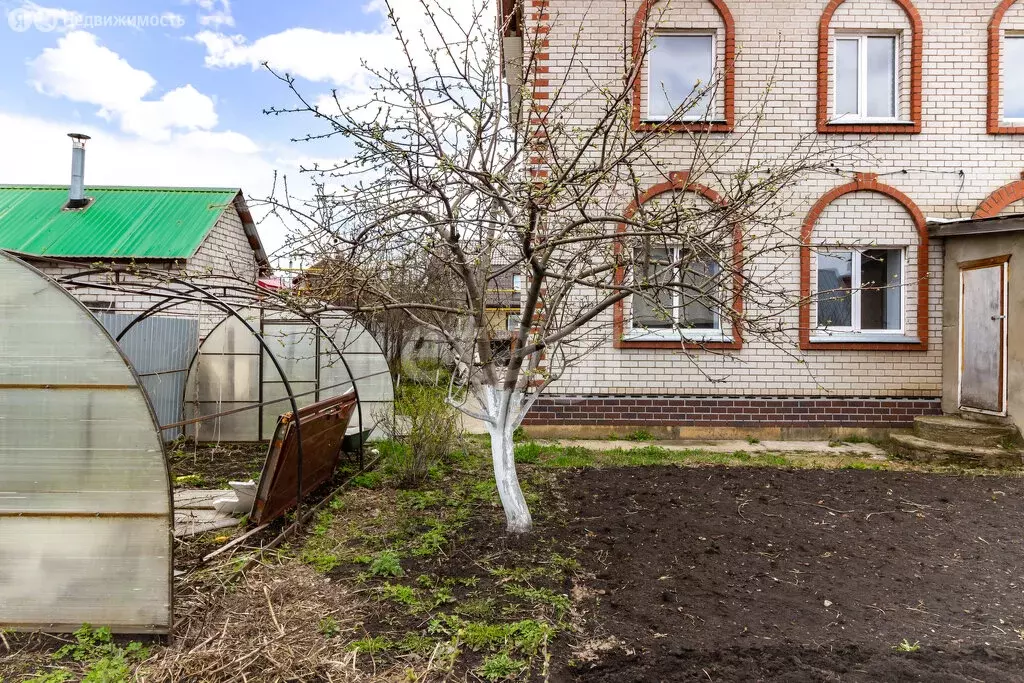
[173, 91]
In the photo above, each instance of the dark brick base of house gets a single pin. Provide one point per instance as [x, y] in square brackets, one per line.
[730, 411]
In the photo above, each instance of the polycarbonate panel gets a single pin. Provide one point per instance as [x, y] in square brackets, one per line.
[231, 335]
[114, 572]
[46, 340]
[224, 378]
[294, 347]
[235, 427]
[85, 507]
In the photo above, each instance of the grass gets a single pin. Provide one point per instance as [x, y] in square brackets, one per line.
[550, 454]
[483, 612]
[94, 657]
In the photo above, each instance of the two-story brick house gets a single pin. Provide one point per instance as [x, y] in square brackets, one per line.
[934, 92]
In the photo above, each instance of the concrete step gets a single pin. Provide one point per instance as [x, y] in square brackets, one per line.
[938, 453]
[959, 431]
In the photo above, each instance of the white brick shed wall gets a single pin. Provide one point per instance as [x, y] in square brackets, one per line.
[224, 252]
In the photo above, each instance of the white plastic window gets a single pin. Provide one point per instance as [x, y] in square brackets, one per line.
[686, 294]
[866, 78]
[1013, 79]
[680, 77]
[861, 290]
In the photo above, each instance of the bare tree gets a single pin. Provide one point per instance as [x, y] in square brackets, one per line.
[450, 165]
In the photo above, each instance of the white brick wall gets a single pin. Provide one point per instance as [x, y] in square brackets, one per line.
[779, 39]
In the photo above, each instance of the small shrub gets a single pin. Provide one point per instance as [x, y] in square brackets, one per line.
[519, 435]
[386, 564]
[753, 440]
[423, 432]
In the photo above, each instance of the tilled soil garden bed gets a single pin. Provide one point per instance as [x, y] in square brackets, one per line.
[645, 565]
[737, 574]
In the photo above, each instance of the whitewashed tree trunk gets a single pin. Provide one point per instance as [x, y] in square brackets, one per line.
[504, 414]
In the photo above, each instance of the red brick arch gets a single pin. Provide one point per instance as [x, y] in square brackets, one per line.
[864, 182]
[916, 57]
[1001, 198]
[679, 181]
[995, 115]
[640, 22]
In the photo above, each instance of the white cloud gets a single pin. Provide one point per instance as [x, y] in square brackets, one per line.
[228, 141]
[82, 70]
[330, 57]
[214, 13]
[308, 53]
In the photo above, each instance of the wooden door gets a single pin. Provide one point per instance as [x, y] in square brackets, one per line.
[983, 335]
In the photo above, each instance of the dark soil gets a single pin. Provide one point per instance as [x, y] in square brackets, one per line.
[477, 565]
[213, 465]
[737, 574]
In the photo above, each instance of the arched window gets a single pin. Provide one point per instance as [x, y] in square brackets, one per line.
[864, 290]
[869, 67]
[698, 300]
[685, 52]
[1006, 85]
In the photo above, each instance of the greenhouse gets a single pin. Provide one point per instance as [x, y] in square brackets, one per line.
[237, 386]
[85, 506]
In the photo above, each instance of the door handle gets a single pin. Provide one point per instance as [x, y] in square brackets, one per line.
[999, 317]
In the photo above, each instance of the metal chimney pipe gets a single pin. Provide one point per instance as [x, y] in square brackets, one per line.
[76, 193]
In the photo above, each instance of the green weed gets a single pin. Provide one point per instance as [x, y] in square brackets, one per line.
[528, 453]
[501, 667]
[572, 456]
[906, 646]
[540, 596]
[640, 435]
[107, 661]
[431, 542]
[371, 645]
[328, 627]
[386, 564]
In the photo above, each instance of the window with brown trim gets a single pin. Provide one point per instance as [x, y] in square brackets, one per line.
[860, 294]
[673, 75]
[1005, 75]
[868, 82]
[706, 311]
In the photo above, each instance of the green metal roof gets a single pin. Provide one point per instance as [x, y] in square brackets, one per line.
[121, 222]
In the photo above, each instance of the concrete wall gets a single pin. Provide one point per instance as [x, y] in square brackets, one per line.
[959, 250]
[946, 170]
